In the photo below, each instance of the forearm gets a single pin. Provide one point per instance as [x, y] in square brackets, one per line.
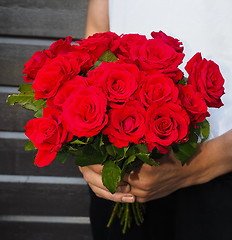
[98, 17]
[214, 158]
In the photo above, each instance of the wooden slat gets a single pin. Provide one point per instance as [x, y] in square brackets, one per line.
[16, 161]
[54, 18]
[14, 54]
[44, 199]
[39, 231]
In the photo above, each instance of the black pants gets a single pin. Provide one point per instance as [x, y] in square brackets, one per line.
[202, 212]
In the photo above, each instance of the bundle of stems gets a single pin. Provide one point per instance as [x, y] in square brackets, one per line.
[127, 212]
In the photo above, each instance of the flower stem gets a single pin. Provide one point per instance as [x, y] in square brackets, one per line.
[120, 211]
[126, 218]
[135, 214]
[139, 214]
[127, 213]
[113, 214]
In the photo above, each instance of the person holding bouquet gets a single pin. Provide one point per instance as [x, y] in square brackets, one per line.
[193, 201]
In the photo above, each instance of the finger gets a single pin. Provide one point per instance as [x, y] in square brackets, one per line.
[152, 197]
[137, 173]
[139, 193]
[116, 197]
[123, 187]
[143, 177]
[95, 168]
[143, 196]
[93, 178]
[136, 181]
[80, 168]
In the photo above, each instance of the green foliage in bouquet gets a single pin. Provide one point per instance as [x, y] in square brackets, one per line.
[26, 98]
[186, 150]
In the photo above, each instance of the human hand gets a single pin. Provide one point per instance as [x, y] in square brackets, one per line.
[213, 158]
[152, 182]
[93, 176]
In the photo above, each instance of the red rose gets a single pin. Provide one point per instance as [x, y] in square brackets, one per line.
[126, 124]
[119, 81]
[48, 135]
[157, 88]
[60, 47]
[80, 59]
[174, 73]
[31, 67]
[194, 104]
[50, 77]
[165, 125]
[157, 55]
[84, 112]
[67, 89]
[173, 42]
[206, 78]
[129, 46]
[99, 43]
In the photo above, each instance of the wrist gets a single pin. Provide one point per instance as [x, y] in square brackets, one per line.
[213, 158]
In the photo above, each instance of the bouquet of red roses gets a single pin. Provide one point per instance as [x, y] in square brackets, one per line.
[119, 101]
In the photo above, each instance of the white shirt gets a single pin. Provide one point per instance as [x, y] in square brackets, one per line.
[202, 25]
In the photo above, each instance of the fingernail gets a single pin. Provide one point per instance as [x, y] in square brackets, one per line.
[128, 199]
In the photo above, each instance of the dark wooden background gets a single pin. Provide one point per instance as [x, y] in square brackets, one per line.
[36, 203]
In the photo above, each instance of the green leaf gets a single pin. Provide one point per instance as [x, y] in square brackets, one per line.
[72, 149]
[130, 159]
[197, 131]
[111, 176]
[111, 150]
[30, 146]
[83, 160]
[108, 56]
[77, 141]
[26, 98]
[26, 95]
[184, 151]
[98, 143]
[130, 151]
[35, 105]
[155, 154]
[101, 143]
[126, 164]
[121, 152]
[62, 156]
[21, 98]
[131, 166]
[183, 81]
[25, 87]
[87, 155]
[205, 128]
[141, 148]
[39, 113]
[146, 158]
[193, 136]
[96, 64]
